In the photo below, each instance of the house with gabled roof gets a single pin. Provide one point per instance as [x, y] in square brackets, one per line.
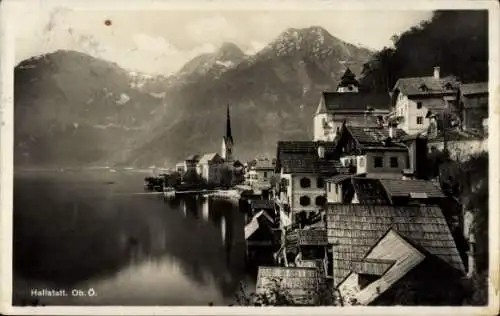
[373, 151]
[303, 167]
[413, 97]
[385, 251]
[209, 167]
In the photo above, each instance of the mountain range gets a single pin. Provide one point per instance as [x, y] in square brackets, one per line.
[73, 109]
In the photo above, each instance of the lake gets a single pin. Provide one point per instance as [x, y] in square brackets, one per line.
[99, 232]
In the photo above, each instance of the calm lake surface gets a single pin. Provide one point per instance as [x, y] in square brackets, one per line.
[100, 230]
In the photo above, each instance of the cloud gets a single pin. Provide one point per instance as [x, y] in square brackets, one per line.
[151, 43]
[214, 28]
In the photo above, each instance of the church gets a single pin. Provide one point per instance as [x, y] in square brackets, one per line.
[348, 103]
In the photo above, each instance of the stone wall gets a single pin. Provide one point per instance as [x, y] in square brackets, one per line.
[461, 150]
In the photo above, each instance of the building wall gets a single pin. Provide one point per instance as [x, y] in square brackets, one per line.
[260, 177]
[461, 150]
[407, 108]
[319, 121]
[312, 192]
[369, 162]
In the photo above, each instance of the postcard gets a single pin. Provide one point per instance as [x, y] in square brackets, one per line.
[264, 157]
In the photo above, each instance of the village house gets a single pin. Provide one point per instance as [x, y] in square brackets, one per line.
[303, 167]
[188, 165]
[348, 104]
[373, 151]
[473, 106]
[260, 173]
[387, 255]
[413, 98]
[300, 285]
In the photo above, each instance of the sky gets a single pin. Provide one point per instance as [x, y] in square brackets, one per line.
[162, 41]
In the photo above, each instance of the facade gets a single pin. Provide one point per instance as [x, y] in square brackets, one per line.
[348, 104]
[260, 174]
[373, 151]
[473, 105]
[210, 167]
[303, 167]
[413, 98]
[189, 164]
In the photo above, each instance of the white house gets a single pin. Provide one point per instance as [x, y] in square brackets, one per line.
[413, 98]
[209, 167]
[261, 173]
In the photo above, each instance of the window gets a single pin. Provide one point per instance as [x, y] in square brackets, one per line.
[423, 87]
[420, 120]
[419, 105]
[336, 188]
[329, 187]
[305, 183]
[320, 200]
[304, 200]
[361, 162]
[265, 174]
[378, 162]
[320, 183]
[394, 162]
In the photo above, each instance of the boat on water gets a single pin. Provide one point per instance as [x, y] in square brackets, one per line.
[169, 192]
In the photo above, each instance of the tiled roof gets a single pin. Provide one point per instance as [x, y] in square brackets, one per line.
[353, 229]
[308, 164]
[412, 86]
[304, 147]
[312, 237]
[209, 157]
[370, 191]
[300, 283]
[360, 101]
[371, 266]
[195, 157]
[375, 136]
[404, 188]
[262, 204]
[339, 178]
[474, 88]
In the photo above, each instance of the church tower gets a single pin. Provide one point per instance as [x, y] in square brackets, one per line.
[227, 141]
[348, 82]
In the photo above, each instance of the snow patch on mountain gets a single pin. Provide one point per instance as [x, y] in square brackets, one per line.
[124, 98]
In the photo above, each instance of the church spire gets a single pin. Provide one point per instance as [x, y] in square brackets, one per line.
[229, 136]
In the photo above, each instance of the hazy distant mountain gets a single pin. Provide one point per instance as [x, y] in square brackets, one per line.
[71, 108]
[272, 95]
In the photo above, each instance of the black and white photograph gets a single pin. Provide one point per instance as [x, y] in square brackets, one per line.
[321, 154]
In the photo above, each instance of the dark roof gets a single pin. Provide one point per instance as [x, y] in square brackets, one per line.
[262, 204]
[298, 281]
[412, 86]
[370, 191]
[312, 237]
[339, 178]
[406, 188]
[359, 101]
[304, 147]
[195, 157]
[307, 163]
[353, 229]
[348, 78]
[375, 136]
[371, 266]
[474, 88]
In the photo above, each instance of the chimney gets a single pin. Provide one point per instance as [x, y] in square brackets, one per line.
[392, 131]
[321, 152]
[436, 72]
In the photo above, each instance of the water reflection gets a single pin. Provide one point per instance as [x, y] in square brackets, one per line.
[74, 232]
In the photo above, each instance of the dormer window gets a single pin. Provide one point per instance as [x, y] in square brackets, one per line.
[423, 88]
[448, 86]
